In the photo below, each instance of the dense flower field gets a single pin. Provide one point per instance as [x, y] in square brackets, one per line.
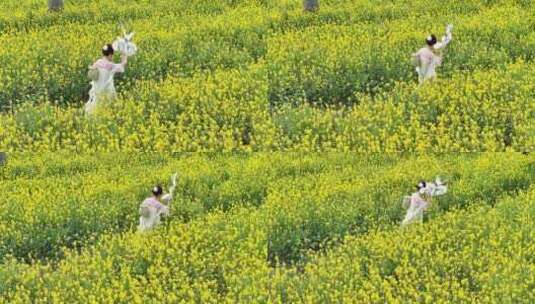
[266, 228]
[295, 136]
[262, 75]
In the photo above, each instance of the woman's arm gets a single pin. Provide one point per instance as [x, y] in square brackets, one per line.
[120, 67]
[446, 39]
[167, 198]
[163, 209]
[415, 59]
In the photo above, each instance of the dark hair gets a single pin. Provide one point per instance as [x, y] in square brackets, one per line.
[421, 184]
[157, 190]
[431, 40]
[107, 50]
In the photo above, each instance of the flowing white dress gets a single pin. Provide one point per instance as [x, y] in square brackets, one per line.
[417, 207]
[104, 87]
[427, 60]
[151, 210]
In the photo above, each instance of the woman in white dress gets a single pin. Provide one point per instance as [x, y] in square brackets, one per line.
[153, 208]
[430, 56]
[103, 88]
[417, 203]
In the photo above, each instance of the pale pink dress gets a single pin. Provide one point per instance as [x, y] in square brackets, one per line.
[416, 210]
[104, 87]
[428, 61]
[151, 210]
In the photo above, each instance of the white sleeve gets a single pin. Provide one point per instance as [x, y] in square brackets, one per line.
[440, 190]
[118, 67]
[164, 210]
[445, 40]
[167, 198]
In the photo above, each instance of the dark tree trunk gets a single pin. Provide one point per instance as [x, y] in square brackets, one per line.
[246, 134]
[55, 5]
[3, 158]
[311, 5]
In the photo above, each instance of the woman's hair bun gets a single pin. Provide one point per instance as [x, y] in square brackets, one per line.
[157, 190]
[107, 50]
[421, 185]
[431, 40]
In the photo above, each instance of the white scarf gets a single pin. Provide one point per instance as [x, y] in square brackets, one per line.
[125, 45]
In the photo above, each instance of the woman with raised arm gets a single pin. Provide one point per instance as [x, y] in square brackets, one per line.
[430, 56]
[417, 203]
[420, 201]
[155, 206]
[101, 74]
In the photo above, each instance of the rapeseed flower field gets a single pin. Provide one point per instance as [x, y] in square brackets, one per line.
[264, 76]
[266, 227]
[296, 137]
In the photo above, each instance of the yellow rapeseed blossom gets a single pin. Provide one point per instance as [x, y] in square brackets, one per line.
[268, 227]
[250, 76]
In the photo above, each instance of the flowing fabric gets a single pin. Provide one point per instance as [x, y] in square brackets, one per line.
[417, 207]
[427, 60]
[150, 212]
[151, 209]
[436, 188]
[173, 184]
[104, 87]
[446, 39]
[124, 45]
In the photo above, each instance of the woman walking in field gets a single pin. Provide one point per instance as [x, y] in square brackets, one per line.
[420, 201]
[430, 56]
[154, 207]
[417, 203]
[101, 74]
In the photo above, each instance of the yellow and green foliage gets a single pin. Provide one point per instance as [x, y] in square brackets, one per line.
[266, 228]
[262, 75]
[283, 224]
[480, 254]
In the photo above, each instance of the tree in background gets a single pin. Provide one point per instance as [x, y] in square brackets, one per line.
[311, 5]
[55, 5]
[3, 158]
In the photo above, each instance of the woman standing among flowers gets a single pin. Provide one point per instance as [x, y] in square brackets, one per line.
[154, 207]
[101, 74]
[417, 203]
[430, 56]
